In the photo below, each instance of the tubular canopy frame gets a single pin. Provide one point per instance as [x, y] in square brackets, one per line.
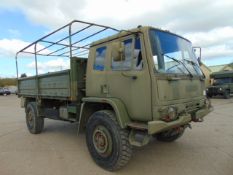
[76, 46]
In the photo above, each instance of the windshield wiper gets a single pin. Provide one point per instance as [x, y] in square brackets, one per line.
[194, 64]
[180, 62]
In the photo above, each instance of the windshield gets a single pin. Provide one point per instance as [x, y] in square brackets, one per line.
[173, 54]
[219, 81]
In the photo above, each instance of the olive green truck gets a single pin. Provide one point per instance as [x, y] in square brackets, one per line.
[122, 88]
[222, 84]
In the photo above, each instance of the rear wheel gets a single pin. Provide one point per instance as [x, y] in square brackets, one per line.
[35, 123]
[107, 142]
[170, 135]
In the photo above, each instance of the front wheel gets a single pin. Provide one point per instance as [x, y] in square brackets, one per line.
[170, 135]
[107, 142]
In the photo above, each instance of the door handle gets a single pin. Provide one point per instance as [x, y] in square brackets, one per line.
[104, 89]
[128, 75]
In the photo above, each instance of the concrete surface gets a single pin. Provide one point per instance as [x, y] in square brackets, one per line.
[207, 149]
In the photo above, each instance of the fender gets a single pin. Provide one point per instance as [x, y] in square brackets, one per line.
[119, 108]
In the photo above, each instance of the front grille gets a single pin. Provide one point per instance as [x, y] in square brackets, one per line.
[212, 90]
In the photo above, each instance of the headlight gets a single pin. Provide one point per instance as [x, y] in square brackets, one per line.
[172, 113]
[220, 89]
[169, 114]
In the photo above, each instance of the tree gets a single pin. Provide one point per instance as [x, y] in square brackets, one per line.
[7, 82]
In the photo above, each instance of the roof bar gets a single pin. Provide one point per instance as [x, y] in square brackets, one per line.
[89, 36]
[57, 42]
[84, 47]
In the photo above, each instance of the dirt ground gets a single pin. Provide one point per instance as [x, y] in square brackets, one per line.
[206, 149]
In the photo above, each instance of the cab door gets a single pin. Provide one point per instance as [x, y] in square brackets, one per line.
[96, 83]
[129, 80]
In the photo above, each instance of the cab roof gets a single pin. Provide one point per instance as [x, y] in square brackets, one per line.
[132, 31]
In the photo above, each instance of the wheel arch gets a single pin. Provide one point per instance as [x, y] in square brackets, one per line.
[93, 104]
[26, 100]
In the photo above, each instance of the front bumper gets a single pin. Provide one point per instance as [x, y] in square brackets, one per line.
[158, 126]
[215, 91]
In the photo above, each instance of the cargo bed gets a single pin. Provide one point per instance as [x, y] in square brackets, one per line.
[50, 85]
[60, 85]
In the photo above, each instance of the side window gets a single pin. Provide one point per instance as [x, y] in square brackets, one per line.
[132, 56]
[99, 58]
[126, 64]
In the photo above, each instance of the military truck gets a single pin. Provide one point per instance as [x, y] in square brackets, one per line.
[134, 85]
[222, 84]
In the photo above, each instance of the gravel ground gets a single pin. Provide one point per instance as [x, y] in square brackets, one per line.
[206, 149]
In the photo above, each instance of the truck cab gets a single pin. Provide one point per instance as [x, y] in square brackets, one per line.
[154, 73]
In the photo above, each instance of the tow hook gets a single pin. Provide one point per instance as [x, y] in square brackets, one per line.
[187, 126]
[198, 120]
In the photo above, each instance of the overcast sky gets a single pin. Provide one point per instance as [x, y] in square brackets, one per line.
[206, 23]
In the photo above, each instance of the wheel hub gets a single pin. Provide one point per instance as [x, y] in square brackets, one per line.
[30, 118]
[102, 141]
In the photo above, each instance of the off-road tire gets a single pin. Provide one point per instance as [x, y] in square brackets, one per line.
[169, 136]
[226, 94]
[35, 123]
[121, 150]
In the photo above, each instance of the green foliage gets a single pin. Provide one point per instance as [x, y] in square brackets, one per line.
[7, 82]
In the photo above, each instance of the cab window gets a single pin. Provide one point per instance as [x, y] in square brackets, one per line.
[132, 56]
[99, 58]
[126, 64]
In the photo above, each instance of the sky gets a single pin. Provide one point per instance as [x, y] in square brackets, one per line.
[206, 23]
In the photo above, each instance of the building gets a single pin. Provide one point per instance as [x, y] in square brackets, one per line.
[222, 67]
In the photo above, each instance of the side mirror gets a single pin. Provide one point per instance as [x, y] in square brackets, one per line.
[118, 51]
[197, 52]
